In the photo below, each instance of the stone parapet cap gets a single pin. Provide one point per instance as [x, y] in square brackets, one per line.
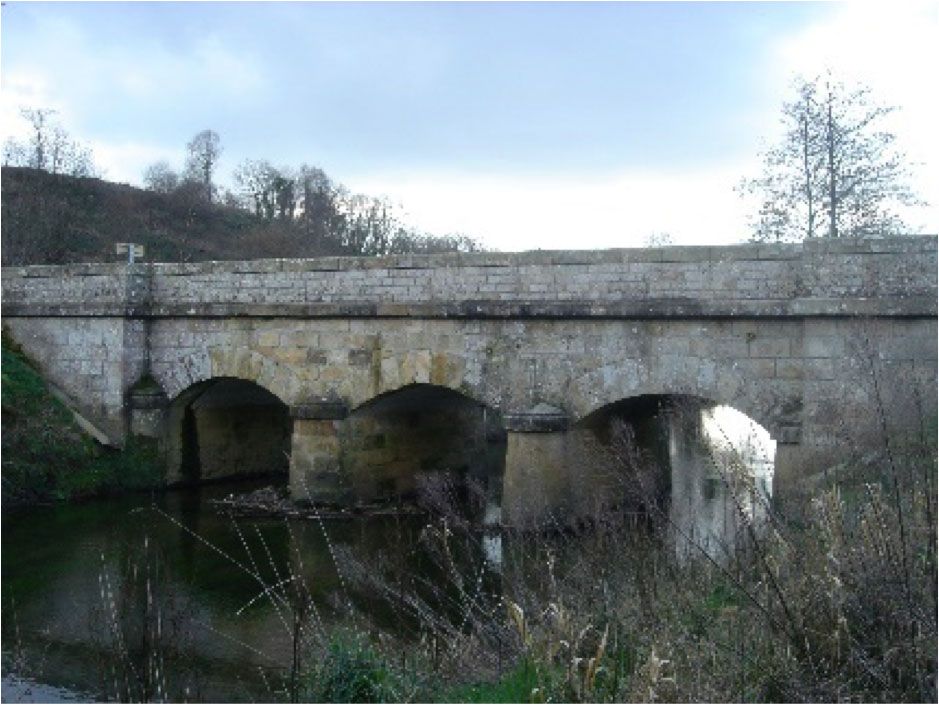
[687, 254]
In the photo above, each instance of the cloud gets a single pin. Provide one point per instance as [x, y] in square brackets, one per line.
[571, 212]
[23, 88]
[136, 96]
[890, 48]
[124, 162]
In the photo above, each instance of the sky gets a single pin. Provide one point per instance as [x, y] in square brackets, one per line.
[525, 125]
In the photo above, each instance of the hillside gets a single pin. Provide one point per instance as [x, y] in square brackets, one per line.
[54, 219]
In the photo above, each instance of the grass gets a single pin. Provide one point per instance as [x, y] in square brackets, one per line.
[519, 685]
[841, 606]
[46, 456]
[351, 671]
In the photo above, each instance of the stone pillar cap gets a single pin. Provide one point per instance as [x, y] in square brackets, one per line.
[320, 410]
[541, 418]
[147, 398]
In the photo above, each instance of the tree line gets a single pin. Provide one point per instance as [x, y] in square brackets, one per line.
[48, 147]
[303, 199]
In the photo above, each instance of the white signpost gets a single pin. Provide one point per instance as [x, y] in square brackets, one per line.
[132, 250]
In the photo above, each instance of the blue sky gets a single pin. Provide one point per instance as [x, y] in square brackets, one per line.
[558, 125]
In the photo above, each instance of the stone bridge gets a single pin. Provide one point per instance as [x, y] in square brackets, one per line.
[817, 342]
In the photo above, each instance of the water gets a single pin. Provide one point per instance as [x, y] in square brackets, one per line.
[163, 597]
[77, 580]
[20, 689]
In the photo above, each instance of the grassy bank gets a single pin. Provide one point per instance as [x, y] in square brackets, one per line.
[46, 456]
[839, 607]
[843, 610]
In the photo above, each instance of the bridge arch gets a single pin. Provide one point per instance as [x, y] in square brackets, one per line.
[226, 427]
[697, 468]
[426, 442]
[387, 392]
[232, 362]
[774, 407]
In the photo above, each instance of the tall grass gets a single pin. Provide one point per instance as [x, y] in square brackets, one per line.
[840, 605]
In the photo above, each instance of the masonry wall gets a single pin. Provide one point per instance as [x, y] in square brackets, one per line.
[812, 341]
[92, 360]
[878, 277]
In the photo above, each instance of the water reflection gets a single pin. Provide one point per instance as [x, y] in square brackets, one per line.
[77, 580]
[492, 550]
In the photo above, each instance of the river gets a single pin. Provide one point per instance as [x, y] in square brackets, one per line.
[164, 597]
[89, 588]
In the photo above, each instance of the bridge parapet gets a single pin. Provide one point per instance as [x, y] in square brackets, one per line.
[891, 276]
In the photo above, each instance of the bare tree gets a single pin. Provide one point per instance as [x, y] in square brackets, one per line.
[658, 239]
[203, 153]
[49, 147]
[321, 213]
[257, 179]
[836, 172]
[160, 177]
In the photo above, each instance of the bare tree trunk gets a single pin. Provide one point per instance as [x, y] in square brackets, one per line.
[832, 176]
[809, 195]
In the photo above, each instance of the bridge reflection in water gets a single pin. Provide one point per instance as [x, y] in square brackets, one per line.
[216, 570]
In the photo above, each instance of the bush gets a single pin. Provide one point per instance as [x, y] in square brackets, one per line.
[351, 672]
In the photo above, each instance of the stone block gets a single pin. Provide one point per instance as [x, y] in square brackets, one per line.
[823, 346]
[769, 347]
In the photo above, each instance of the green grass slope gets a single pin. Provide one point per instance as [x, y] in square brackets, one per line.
[45, 456]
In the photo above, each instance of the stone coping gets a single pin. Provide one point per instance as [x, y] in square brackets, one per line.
[680, 254]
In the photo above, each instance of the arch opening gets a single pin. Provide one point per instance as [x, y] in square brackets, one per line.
[697, 471]
[226, 428]
[429, 445]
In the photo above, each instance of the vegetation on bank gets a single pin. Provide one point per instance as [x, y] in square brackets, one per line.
[46, 456]
[841, 607]
[57, 218]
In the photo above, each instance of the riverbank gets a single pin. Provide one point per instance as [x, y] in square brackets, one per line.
[418, 610]
[47, 458]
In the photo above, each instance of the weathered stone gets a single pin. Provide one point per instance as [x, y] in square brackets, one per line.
[536, 484]
[781, 332]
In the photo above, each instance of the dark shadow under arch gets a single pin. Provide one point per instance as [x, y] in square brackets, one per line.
[226, 427]
[426, 443]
